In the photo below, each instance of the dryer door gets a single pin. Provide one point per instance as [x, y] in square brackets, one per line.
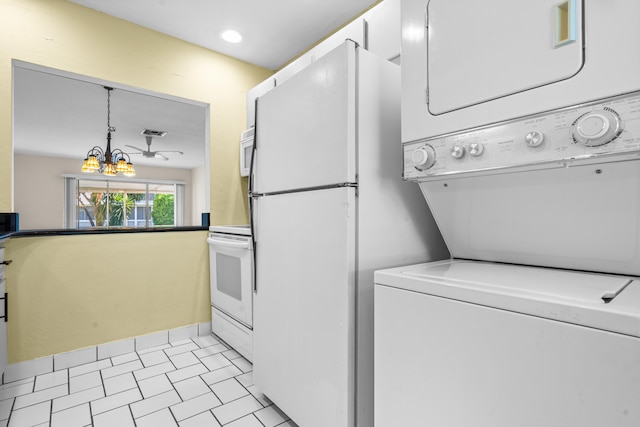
[482, 50]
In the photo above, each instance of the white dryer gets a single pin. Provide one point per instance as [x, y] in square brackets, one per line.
[467, 63]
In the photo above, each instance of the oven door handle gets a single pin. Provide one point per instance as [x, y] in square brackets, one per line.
[229, 243]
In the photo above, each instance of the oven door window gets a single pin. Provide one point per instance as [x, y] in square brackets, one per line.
[229, 275]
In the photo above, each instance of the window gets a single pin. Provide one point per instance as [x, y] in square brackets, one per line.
[105, 203]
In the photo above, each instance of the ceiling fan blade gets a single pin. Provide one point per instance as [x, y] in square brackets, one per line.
[160, 156]
[135, 148]
[170, 151]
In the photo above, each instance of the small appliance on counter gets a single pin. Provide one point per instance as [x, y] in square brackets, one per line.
[231, 272]
[246, 148]
[9, 222]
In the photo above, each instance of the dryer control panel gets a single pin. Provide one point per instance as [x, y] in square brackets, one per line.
[552, 139]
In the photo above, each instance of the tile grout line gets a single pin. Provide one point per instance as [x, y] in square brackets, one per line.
[89, 403]
[162, 374]
[12, 405]
[197, 376]
[68, 393]
[104, 390]
[131, 410]
[173, 386]
[190, 341]
[256, 417]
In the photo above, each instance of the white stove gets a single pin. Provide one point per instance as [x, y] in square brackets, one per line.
[231, 273]
[242, 230]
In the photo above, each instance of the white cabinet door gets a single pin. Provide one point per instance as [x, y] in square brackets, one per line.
[3, 327]
[3, 315]
[257, 91]
[383, 29]
[291, 69]
[353, 31]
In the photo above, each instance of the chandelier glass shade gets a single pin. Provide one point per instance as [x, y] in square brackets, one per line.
[108, 162]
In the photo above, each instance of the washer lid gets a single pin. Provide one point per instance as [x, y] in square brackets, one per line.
[517, 280]
[601, 301]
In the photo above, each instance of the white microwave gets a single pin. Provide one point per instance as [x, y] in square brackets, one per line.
[246, 148]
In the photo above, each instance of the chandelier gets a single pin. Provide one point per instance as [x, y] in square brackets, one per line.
[108, 162]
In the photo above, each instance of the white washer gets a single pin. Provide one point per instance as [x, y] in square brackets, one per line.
[487, 339]
[468, 343]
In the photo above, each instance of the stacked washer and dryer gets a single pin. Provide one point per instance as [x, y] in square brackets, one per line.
[521, 125]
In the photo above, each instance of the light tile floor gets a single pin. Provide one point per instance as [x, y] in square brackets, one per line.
[191, 383]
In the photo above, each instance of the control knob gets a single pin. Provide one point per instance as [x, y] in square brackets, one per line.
[424, 157]
[596, 128]
[476, 149]
[534, 138]
[457, 151]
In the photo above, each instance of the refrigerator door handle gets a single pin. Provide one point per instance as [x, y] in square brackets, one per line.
[252, 224]
[253, 149]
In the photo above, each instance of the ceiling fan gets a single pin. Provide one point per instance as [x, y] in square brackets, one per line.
[152, 154]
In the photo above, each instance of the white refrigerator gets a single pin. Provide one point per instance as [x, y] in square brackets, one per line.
[328, 207]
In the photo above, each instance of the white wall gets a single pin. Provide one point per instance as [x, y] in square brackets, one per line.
[39, 189]
[197, 188]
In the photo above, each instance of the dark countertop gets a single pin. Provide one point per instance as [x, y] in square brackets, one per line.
[84, 231]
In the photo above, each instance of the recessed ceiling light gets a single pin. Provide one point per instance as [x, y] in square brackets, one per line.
[231, 36]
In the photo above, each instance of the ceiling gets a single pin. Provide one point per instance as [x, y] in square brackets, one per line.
[274, 31]
[54, 110]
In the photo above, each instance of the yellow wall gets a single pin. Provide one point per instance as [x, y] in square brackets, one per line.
[69, 292]
[63, 35]
[55, 307]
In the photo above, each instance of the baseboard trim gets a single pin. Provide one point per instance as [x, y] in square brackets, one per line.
[57, 362]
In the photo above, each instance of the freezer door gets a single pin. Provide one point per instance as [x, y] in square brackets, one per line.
[304, 306]
[306, 127]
